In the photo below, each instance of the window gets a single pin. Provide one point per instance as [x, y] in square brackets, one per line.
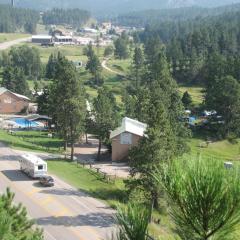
[126, 138]
[7, 100]
[40, 167]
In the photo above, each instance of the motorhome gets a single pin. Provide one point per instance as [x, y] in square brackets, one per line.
[33, 166]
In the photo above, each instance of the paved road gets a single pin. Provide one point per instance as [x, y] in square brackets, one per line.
[63, 212]
[9, 44]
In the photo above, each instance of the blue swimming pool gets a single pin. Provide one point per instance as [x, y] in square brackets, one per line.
[25, 123]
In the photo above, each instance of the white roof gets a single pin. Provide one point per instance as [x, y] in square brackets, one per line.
[21, 96]
[3, 90]
[63, 37]
[41, 37]
[131, 126]
[33, 159]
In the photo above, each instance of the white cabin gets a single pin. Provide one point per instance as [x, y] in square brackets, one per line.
[33, 166]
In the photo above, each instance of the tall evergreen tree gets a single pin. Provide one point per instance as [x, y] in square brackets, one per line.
[105, 116]
[161, 108]
[94, 66]
[68, 99]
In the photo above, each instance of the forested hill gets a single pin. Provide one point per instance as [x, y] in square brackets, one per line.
[75, 17]
[108, 7]
[141, 18]
[13, 19]
[192, 44]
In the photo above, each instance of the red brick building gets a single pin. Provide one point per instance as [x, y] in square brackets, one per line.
[12, 103]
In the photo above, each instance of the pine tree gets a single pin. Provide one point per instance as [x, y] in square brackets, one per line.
[94, 66]
[138, 66]
[105, 116]
[187, 100]
[161, 108]
[68, 103]
[14, 223]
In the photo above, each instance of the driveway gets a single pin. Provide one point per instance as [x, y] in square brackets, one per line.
[62, 211]
[6, 45]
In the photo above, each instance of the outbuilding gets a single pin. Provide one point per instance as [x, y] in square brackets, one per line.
[125, 137]
[12, 103]
[42, 39]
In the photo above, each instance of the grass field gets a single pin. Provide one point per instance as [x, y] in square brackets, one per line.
[195, 92]
[5, 37]
[32, 141]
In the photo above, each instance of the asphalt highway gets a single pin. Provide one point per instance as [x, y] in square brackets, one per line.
[63, 212]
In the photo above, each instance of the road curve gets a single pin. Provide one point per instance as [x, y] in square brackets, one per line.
[6, 45]
[63, 212]
[104, 65]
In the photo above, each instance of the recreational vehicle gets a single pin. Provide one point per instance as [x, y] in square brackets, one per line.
[33, 166]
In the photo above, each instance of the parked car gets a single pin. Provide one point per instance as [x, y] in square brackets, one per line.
[47, 181]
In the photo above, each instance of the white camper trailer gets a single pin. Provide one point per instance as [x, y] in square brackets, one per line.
[33, 166]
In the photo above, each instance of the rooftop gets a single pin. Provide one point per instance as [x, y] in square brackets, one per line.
[131, 126]
[3, 90]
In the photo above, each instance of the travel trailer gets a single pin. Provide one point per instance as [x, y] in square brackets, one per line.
[33, 166]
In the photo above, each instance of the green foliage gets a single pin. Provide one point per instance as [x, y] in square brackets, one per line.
[133, 222]
[74, 17]
[187, 100]
[13, 19]
[14, 223]
[15, 80]
[204, 198]
[223, 95]
[158, 104]
[108, 51]
[94, 66]
[67, 102]
[28, 59]
[105, 115]
[121, 47]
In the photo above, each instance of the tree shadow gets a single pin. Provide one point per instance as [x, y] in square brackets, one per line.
[101, 220]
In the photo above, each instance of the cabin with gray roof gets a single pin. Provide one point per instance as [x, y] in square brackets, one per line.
[12, 103]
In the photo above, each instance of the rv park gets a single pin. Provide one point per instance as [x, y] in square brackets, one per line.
[82, 120]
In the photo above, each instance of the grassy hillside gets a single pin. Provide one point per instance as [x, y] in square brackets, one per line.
[5, 37]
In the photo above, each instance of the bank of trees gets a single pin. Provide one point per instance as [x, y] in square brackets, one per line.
[74, 17]
[19, 65]
[16, 19]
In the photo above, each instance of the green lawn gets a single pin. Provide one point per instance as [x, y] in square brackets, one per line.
[32, 141]
[121, 66]
[195, 92]
[223, 150]
[88, 181]
[5, 37]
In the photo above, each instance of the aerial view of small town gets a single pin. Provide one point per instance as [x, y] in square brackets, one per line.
[120, 120]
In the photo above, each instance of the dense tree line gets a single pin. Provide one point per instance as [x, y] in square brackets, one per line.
[19, 65]
[142, 18]
[17, 19]
[74, 17]
[190, 45]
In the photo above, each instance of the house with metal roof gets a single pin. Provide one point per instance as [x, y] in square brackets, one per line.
[12, 103]
[125, 137]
